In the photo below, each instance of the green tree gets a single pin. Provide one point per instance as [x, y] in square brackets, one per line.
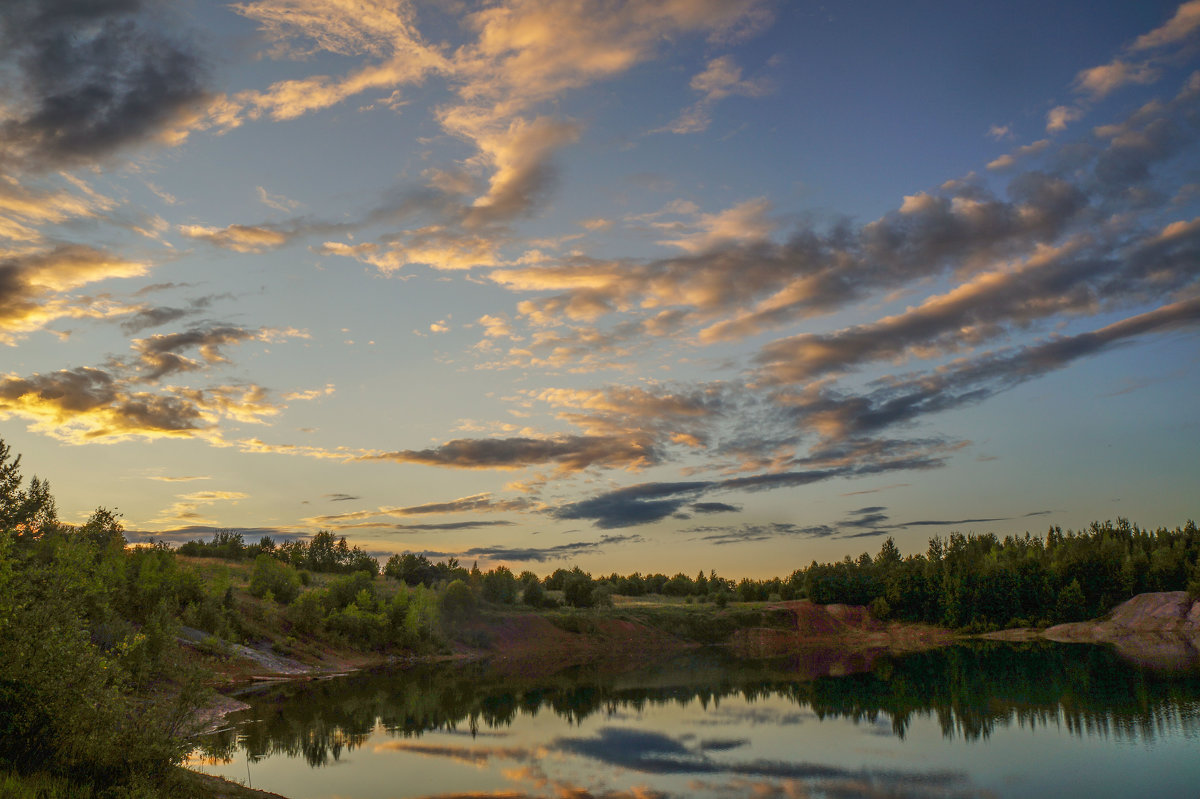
[275, 577]
[578, 589]
[1071, 603]
[500, 586]
[458, 601]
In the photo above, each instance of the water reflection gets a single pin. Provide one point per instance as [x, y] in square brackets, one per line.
[708, 725]
[971, 690]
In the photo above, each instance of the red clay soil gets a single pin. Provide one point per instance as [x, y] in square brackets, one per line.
[532, 644]
[834, 635]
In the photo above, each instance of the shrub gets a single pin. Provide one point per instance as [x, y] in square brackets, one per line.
[578, 590]
[307, 614]
[274, 577]
[534, 595]
[500, 586]
[458, 602]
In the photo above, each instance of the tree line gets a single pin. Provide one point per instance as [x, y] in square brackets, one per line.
[970, 582]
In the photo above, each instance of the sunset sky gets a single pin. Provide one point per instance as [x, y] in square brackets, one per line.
[659, 285]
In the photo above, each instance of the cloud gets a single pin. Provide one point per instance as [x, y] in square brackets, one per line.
[90, 77]
[34, 286]
[645, 503]
[443, 526]
[1081, 276]
[745, 222]
[160, 354]
[749, 285]
[21, 207]
[734, 281]
[478, 503]
[147, 317]
[633, 505]
[952, 522]
[239, 238]
[1098, 82]
[840, 416]
[91, 405]
[568, 453]
[714, 507]
[558, 552]
[186, 508]
[86, 404]
[276, 201]
[518, 154]
[1180, 27]
[1005, 161]
[1060, 116]
[721, 78]
[748, 533]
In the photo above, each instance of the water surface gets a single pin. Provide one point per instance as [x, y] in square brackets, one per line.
[984, 720]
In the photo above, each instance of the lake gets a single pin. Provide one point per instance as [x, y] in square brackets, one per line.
[977, 720]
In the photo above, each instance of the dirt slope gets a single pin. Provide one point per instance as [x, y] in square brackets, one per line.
[1161, 630]
[835, 638]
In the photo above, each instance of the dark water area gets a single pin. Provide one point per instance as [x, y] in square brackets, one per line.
[978, 720]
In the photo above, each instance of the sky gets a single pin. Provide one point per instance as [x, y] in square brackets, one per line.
[662, 285]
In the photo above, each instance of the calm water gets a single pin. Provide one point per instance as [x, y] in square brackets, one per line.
[968, 721]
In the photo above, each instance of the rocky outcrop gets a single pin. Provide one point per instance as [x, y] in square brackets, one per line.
[1160, 630]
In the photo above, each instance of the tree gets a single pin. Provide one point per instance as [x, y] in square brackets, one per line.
[271, 575]
[578, 589]
[104, 529]
[500, 586]
[458, 601]
[534, 595]
[1071, 603]
[30, 514]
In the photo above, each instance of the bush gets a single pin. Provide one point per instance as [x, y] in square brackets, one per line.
[307, 613]
[500, 586]
[344, 590]
[578, 590]
[279, 579]
[458, 602]
[534, 595]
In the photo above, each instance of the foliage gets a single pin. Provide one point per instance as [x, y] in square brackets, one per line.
[500, 586]
[322, 553]
[419, 570]
[280, 579]
[85, 628]
[578, 589]
[534, 595]
[458, 601]
[983, 582]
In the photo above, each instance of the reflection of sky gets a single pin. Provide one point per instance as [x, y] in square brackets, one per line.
[740, 748]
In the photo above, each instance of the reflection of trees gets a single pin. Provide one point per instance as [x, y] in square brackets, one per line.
[971, 691]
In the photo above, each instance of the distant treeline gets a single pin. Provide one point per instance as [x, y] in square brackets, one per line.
[322, 553]
[964, 581]
[981, 581]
